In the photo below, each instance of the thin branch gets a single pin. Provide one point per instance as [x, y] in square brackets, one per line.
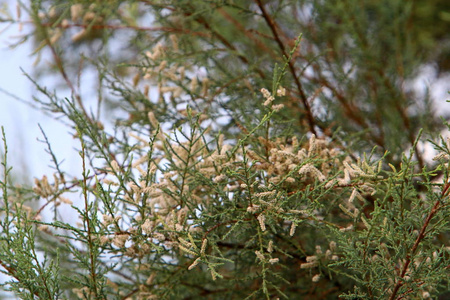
[419, 239]
[273, 27]
[88, 221]
[224, 41]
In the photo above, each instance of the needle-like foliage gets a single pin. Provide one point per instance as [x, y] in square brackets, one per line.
[233, 150]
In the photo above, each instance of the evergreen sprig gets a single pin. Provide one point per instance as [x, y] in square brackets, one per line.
[224, 155]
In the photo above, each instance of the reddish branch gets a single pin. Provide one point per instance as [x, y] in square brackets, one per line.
[224, 41]
[12, 272]
[273, 27]
[419, 239]
[248, 33]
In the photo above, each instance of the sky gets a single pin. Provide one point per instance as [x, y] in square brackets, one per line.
[21, 121]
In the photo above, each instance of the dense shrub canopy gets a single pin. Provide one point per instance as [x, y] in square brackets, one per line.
[235, 150]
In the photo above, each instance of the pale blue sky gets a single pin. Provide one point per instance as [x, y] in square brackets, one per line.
[27, 155]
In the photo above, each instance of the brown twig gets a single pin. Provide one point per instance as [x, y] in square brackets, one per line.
[273, 27]
[248, 33]
[419, 238]
[12, 272]
[227, 44]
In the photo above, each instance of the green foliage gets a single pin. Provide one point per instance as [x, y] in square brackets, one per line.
[248, 150]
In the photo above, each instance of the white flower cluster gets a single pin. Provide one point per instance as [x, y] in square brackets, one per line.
[443, 155]
[174, 204]
[269, 98]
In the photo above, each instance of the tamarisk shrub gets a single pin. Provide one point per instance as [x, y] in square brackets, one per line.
[232, 150]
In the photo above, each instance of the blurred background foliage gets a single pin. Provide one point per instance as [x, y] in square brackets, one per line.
[351, 78]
